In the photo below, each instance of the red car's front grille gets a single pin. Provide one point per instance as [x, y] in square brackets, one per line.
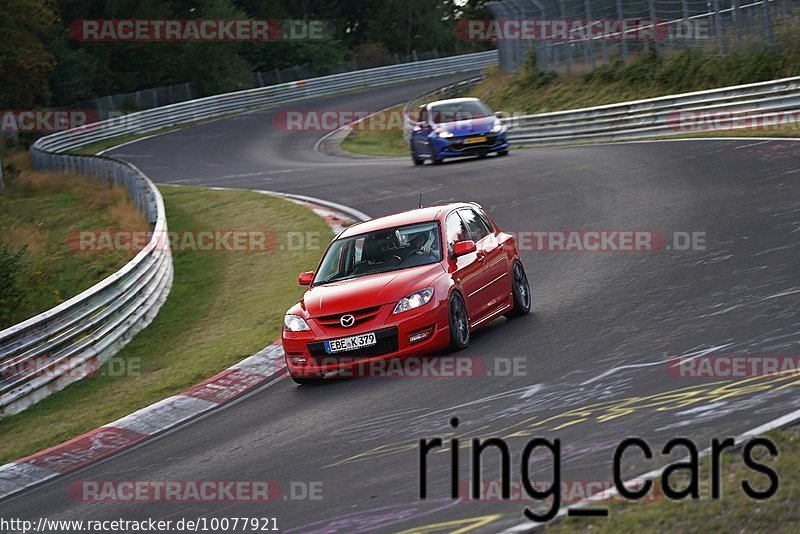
[334, 321]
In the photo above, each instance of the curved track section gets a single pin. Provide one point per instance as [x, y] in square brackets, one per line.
[595, 348]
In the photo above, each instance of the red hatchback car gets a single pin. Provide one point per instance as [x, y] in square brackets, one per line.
[408, 283]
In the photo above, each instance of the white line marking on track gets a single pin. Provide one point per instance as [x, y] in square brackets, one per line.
[692, 355]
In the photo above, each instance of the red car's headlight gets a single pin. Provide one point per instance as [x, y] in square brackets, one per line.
[295, 323]
[414, 300]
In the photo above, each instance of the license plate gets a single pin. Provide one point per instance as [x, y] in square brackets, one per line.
[473, 140]
[356, 342]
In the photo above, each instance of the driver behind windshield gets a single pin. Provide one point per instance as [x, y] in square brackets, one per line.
[421, 249]
[380, 251]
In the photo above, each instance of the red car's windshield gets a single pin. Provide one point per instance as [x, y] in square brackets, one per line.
[380, 251]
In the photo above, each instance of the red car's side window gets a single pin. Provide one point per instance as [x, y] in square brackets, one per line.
[475, 224]
[455, 230]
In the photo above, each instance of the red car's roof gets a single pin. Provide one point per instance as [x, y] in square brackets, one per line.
[419, 215]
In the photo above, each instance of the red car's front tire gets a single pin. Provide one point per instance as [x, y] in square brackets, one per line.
[521, 291]
[306, 380]
[312, 378]
[459, 323]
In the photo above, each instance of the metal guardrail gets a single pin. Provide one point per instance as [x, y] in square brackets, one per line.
[47, 352]
[726, 107]
[70, 341]
[214, 106]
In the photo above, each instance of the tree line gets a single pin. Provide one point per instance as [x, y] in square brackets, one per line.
[41, 64]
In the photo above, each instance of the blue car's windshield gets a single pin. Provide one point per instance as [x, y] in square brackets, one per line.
[459, 111]
[380, 251]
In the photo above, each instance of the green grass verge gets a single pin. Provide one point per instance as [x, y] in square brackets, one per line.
[734, 512]
[223, 307]
[40, 211]
[378, 142]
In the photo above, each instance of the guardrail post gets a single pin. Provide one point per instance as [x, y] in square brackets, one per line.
[622, 36]
[568, 42]
[737, 22]
[587, 7]
[685, 20]
[656, 39]
[768, 25]
[718, 26]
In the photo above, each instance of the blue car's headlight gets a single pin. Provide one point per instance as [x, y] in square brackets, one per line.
[441, 132]
[497, 127]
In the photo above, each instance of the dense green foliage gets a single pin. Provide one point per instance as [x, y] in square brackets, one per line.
[41, 64]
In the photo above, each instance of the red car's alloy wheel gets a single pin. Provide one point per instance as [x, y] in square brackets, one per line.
[521, 290]
[459, 323]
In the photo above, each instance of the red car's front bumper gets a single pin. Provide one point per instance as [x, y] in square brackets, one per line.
[392, 332]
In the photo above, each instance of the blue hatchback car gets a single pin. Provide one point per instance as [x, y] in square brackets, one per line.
[456, 127]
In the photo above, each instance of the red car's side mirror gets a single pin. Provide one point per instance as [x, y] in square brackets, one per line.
[464, 247]
[306, 278]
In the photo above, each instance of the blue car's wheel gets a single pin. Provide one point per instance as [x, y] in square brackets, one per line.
[414, 158]
[434, 157]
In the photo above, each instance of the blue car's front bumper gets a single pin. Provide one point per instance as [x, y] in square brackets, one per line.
[456, 145]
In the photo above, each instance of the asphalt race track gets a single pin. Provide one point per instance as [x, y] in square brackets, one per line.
[594, 349]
